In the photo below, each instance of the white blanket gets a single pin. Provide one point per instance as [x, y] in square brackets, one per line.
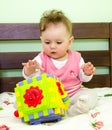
[100, 118]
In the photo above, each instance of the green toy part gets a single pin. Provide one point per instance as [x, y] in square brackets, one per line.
[41, 96]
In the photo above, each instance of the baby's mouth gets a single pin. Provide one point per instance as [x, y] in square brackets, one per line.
[53, 52]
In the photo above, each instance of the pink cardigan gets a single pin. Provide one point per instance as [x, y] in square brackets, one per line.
[68, 74]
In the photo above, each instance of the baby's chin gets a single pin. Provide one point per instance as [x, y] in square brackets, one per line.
[55, 56]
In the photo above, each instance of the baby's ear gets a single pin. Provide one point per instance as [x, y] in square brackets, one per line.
[71, 39]
[40, 37]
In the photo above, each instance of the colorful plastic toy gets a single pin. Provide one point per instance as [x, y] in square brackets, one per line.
[41, 99]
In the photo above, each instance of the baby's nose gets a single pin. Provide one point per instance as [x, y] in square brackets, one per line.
[53, 45]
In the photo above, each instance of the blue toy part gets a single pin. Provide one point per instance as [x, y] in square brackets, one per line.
[46, 119]
[41, 99]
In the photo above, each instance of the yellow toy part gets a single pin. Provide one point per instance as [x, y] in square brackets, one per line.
[41, 99]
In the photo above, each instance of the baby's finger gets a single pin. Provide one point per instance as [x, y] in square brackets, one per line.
[23, 64]
[38, 66]
[94, 69]
[41, 68]
[30, 62]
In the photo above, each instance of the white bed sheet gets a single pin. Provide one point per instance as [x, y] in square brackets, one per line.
[100, 118]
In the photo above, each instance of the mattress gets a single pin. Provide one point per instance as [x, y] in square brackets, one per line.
[98, 118]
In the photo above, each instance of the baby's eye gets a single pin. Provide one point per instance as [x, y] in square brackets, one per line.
[47, 42]
[58, 42]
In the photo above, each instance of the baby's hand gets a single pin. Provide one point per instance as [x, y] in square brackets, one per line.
[88, 68]
[31, 66]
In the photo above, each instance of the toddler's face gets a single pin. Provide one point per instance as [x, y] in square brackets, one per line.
[56, 41]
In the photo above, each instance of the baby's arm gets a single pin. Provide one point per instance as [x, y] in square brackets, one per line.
[31, 66]
[83, 74]
[88, 68]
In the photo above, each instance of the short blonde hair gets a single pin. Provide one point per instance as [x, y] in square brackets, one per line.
[55, 17]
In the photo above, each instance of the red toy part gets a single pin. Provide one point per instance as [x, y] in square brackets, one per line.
[33, 96]
[16, 114]
[59, 88]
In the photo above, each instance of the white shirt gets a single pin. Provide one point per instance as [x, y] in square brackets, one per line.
[59, 64]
